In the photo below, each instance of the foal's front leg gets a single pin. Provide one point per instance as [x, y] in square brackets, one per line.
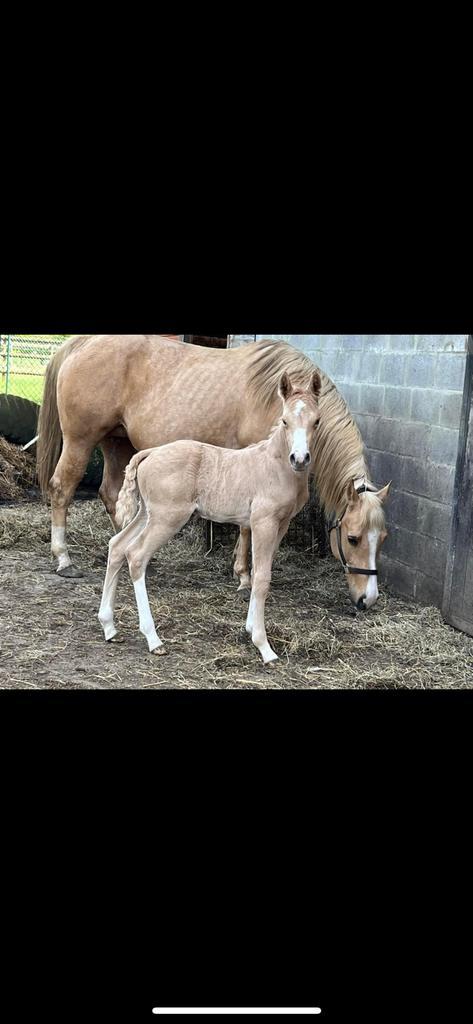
[265, 538]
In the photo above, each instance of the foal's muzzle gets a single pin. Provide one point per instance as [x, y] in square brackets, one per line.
[299, 462]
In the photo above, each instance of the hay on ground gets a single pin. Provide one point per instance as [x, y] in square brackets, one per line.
[17, 471]
[51, 636]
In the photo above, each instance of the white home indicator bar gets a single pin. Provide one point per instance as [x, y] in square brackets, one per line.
[175, 1010]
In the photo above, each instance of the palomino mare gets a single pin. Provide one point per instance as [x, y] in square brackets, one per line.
[131, 392]
[260, 488]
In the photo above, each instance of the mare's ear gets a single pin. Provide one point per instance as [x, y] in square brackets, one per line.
[351, 495]
[383, 493]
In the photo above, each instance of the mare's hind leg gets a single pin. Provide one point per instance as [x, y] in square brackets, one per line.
[139, 553]
[64, 481]
[241, 567]
[117, 452]
[116, 556]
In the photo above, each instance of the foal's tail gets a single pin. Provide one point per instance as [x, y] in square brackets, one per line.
[127, 502]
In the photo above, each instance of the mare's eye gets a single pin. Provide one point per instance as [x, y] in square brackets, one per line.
[353, 540]
[285, 424]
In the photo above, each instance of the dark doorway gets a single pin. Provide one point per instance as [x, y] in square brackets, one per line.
[207, 340]
[457, 607]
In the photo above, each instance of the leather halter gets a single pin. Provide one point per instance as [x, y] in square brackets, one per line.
[337, 526]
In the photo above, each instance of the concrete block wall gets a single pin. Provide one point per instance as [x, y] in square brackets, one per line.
[405, 392]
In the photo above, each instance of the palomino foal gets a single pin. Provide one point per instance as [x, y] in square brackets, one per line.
[262, 487]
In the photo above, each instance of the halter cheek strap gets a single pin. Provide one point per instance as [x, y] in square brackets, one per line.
[337, 526]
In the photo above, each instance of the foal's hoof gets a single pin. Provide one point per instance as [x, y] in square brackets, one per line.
[70, 573]
[244, 593]
[116, 640]
[160, 651]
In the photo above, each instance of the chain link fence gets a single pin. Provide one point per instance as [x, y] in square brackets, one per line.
[23, 361]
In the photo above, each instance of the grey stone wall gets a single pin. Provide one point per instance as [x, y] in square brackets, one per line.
[405, 392]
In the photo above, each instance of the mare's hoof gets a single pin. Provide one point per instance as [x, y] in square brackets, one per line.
[160, 651]
[70, 573]
[116, 640]
[244, 593]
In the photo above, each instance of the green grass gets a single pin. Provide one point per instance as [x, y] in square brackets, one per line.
[24, 386]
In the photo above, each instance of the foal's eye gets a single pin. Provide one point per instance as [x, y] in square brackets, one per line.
[353, 540]
[285, 423]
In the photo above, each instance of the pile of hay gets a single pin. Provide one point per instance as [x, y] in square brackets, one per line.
[17, 472]
[51, 635]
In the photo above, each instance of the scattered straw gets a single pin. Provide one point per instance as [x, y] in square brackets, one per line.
[50, 635]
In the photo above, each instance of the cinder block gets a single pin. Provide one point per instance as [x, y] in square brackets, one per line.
[420, 370]
[400, 577]
[305, 342]
[425, 405]
[434, 520]
[384, 467]
[397, 402]
[443, 446]
[417, 477]
[402, 342]
[441, 342]
[347, 366]
[402, 509]
[442, 480]
[350, 342]
[414, 439]
[375, 342]
[368, 426]
[372, 398]
[388, 435]
[351, 394]
[392, 370]
[328, 363]
[370, 363]
[434, 558]
[450, 408]
[429, 590]
[451, 371]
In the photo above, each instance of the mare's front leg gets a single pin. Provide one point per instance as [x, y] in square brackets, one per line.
[265, 541]
[241, 567]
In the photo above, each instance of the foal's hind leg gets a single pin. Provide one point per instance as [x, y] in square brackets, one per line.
[139, 553]
[116, 557]
[241, 567]
[66, 477]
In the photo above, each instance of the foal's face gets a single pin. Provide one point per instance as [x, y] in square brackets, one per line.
[362, 535]
[300, 418]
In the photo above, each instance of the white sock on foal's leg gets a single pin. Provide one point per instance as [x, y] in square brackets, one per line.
[147, 626]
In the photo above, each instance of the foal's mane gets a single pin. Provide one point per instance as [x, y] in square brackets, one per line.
[339, 450]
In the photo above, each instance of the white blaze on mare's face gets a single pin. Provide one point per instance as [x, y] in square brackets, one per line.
[372, 587]
[299, 406]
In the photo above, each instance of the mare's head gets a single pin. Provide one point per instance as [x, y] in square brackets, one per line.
[356, 539]
[300, 419]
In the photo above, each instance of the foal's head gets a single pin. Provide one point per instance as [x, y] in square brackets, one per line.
[300, 418]
[356, 540]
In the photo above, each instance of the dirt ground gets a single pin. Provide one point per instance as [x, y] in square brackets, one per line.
[50, 636]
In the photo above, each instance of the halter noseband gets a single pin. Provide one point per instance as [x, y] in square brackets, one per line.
[337, 526]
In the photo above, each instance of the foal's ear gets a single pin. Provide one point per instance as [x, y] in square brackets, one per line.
[285, 387]
[383, 493]
[316, 383]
